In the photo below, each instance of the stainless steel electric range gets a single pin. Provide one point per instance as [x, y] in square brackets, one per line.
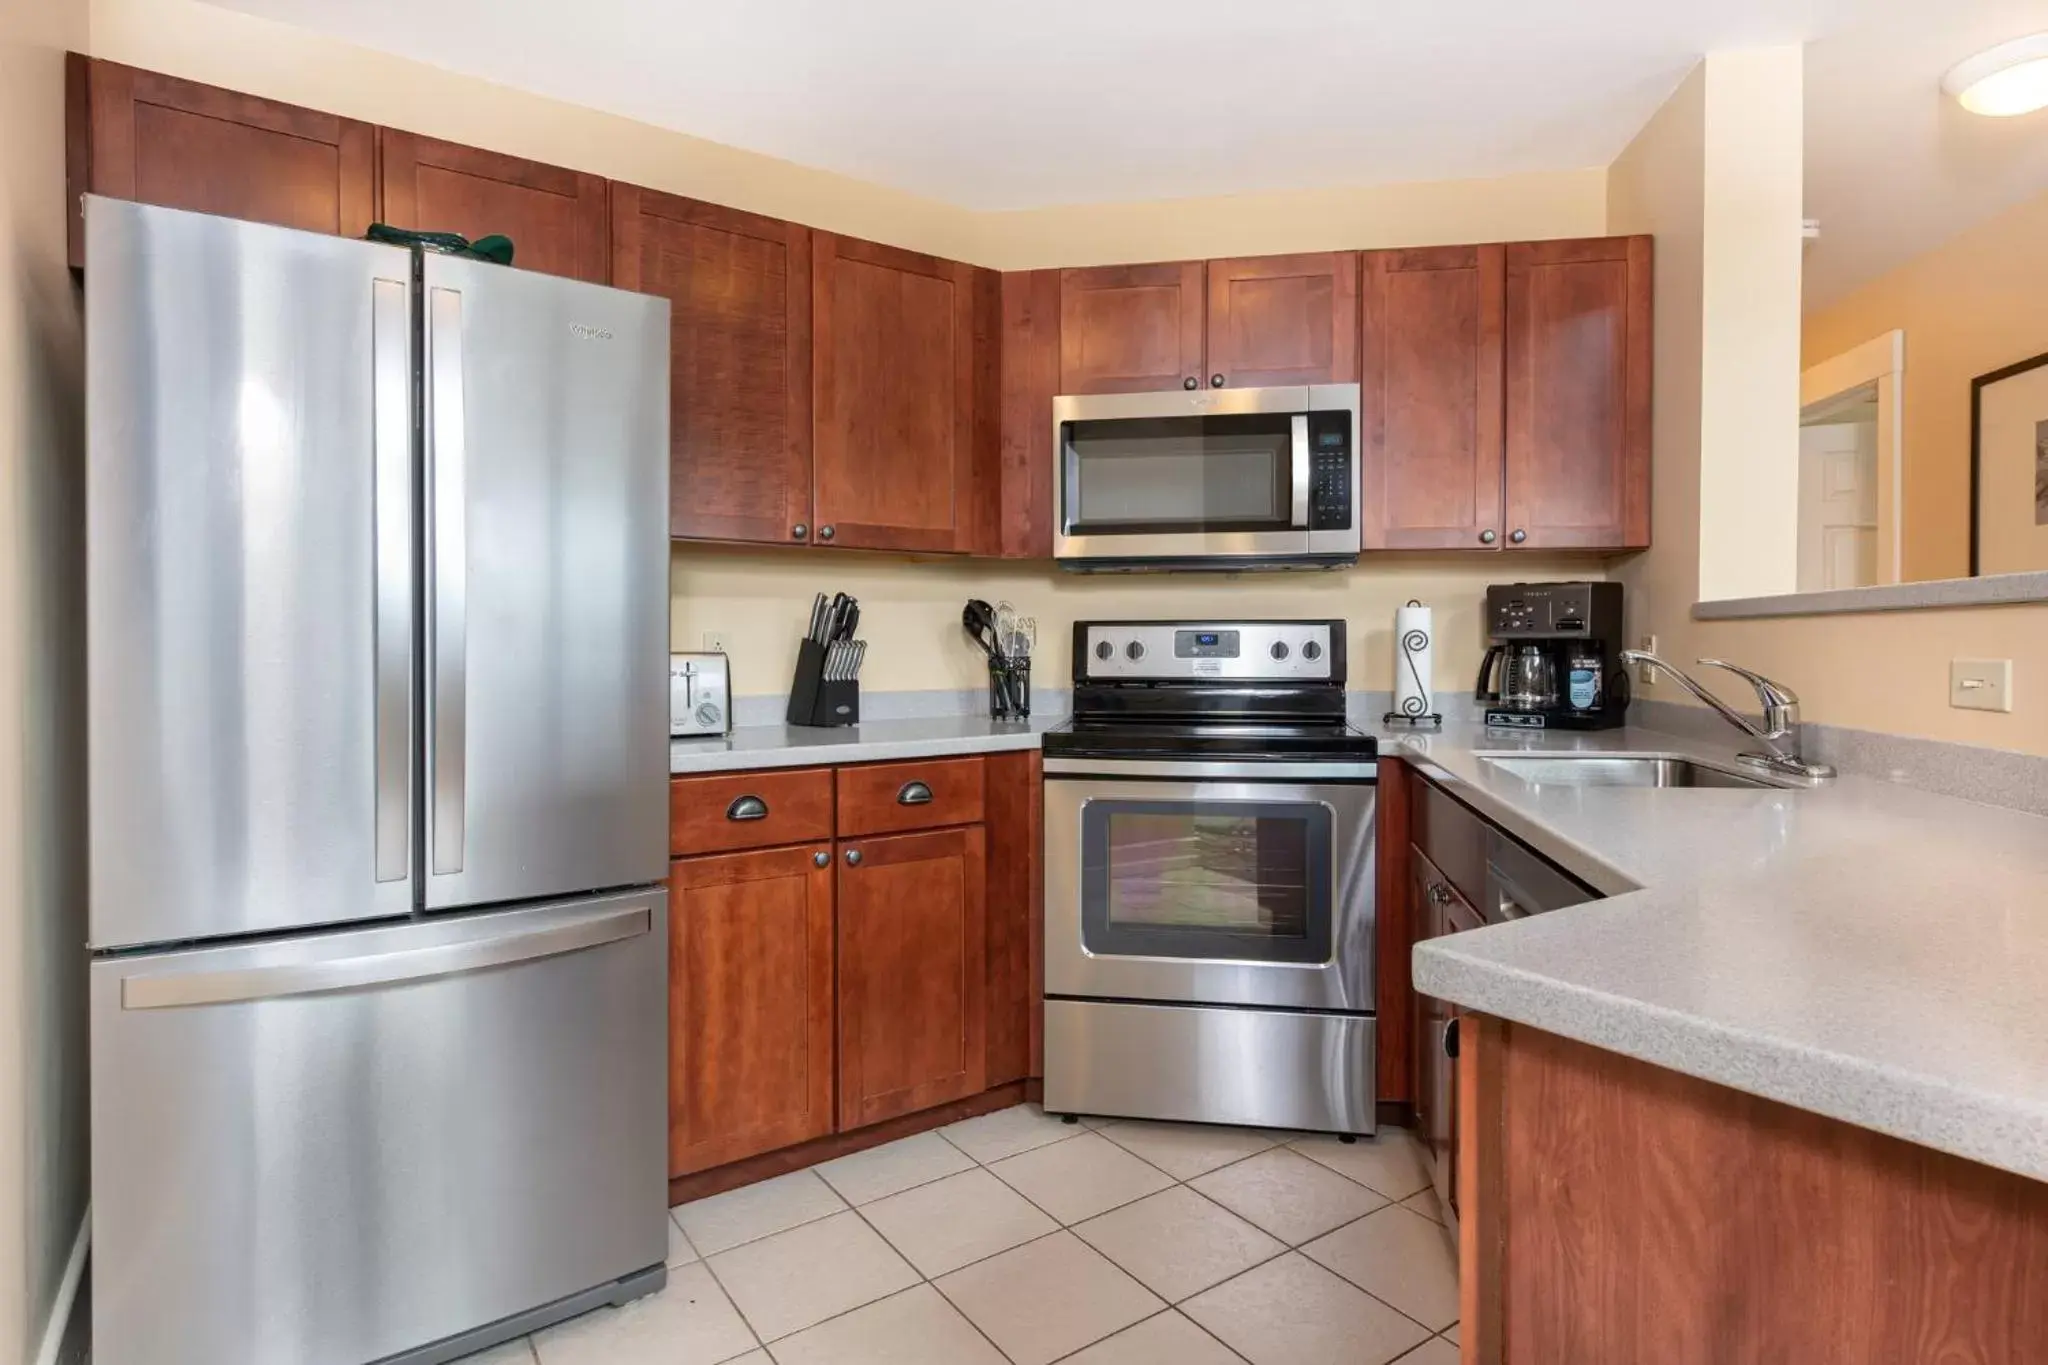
[1209, 873]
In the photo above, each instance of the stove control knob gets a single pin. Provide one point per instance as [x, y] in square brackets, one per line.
[1134, 651]
[1279, 649]
[1312, 651]
[1104, 649]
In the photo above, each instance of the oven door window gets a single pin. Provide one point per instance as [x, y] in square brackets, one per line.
[1235, 881]
[1140, 476]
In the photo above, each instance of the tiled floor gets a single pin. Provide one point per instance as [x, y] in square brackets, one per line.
[1016, 1239]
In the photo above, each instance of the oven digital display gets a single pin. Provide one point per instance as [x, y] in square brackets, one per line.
[1205, 644]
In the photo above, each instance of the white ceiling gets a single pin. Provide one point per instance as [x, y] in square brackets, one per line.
[992, 105]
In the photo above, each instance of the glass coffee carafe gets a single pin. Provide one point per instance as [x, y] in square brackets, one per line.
[1529, 682]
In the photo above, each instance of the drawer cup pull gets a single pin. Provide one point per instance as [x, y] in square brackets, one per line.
[747, 808]
[914, 794]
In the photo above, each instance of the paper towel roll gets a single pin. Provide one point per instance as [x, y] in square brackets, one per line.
[1414, 637]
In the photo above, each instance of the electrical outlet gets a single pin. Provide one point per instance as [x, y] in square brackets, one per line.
[1646, 674]
[1980, 684]
[714, 642]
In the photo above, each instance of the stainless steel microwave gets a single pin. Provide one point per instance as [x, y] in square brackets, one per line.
[1207, 479]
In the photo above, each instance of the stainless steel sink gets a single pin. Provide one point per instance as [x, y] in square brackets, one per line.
[1627, 770]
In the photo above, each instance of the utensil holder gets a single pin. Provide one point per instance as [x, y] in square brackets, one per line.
[816, 700]
[1009, 689]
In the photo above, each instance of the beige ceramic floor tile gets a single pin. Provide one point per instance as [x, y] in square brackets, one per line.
[1177, 1243]
[916, 1327]
[1021, 1127]
[1435, 1351]
[1288, 1195]
[1291, 1311]
[680, 1252]
[958, 1220]
[881, 1171]
[1186, 1150]
[787, 1282]
[1079, 1179]
[754, 1358]
[690, 1320]
[1425, 1204]
[1048, 1298]
[1451, 1334]
[518, 1352]
[753, 1211]
[1168, 1339]
[1400, 1257]
[1393, 1163]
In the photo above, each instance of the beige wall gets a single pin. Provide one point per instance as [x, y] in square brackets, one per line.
[1880, 671]
[1974, 304]
[910, 613]
[224, 47]
[42, 758]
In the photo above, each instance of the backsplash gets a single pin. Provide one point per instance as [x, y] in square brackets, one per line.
[910, 609]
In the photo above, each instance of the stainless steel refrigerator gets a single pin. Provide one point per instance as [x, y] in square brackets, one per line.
[377, 591]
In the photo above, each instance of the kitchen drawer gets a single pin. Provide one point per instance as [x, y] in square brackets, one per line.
[724, 812]
[882, 798]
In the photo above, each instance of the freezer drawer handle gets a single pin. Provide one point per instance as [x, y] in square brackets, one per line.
[172, 990]
[914, 794]
[747, 808]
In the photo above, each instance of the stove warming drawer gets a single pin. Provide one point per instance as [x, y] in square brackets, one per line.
[1255, 1068]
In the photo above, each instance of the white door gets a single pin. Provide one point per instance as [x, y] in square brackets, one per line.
[1837, 506]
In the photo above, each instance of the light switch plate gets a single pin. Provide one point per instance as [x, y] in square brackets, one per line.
[1980, 684]
[1646, 674]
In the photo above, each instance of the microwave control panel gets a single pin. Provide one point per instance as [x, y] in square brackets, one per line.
[1330, 465]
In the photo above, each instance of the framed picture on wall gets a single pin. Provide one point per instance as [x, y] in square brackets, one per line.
[2009, 469]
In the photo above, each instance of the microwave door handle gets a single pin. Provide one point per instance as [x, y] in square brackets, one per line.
[1301, 465]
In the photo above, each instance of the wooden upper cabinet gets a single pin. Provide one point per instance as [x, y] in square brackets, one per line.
[138, 135]
[556, 218]
[1030, 355]
[1430, 404]
[1283, 320]
[750, 1004]
[912, 973]
[739, 290]
[1578, 393]
[1131, 328]
[895, 382]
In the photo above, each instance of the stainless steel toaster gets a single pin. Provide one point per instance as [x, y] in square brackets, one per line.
[699, 694]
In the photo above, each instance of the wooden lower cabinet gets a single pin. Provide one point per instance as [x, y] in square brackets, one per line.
[912, 930]
[750, 1004]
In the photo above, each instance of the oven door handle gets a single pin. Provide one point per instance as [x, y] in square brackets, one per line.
[1299, 483]
[1348, 769]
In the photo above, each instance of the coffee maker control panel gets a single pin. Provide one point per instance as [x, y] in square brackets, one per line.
[1540, 611]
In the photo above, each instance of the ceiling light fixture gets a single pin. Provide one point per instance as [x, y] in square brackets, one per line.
[2009, 79]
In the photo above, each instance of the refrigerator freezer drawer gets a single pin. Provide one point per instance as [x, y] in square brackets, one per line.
[334, 1148]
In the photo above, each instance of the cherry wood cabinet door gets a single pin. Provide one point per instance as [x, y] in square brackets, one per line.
[1016, 923]
[1131, 328]
[1283, 320]
[138, 135]
[749, 1004]
[912, 965]
[556, 218]
[894, 386]
[1030, 380]
[739, 292]
[1430, 398]
[1578, 394]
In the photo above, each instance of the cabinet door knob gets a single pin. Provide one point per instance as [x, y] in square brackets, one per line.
[1190, 383]
[821, 859]
[799, 531]
[747, 808]
[824, 533]
[1487, 537]
[1518, 535]
[1215, 381]
[914, 794]
[853, 857]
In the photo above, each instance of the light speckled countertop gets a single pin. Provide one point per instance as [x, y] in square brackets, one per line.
[1864, 951]
[796, 746]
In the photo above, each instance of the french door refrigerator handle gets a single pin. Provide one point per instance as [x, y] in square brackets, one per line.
[1299, 441]
[392, 531]
[448, 568]
[176, 990]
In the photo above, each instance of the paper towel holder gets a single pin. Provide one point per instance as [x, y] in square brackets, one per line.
[1408, 646]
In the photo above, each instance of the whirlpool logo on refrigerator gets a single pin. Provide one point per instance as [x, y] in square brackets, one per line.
[583, 331]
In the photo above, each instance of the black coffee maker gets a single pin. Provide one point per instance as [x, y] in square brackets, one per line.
[1555, 661]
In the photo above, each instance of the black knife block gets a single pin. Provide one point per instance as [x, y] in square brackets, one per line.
[815, 701]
